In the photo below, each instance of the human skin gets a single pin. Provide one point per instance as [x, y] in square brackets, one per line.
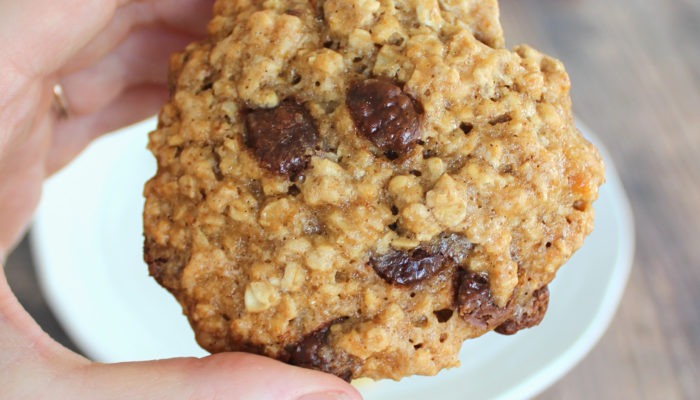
[110, 57]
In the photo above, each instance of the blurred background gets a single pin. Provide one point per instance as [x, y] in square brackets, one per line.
[635, 72]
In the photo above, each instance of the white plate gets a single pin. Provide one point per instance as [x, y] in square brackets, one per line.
[87, 241]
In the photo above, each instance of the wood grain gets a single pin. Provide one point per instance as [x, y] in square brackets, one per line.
[635, 69]
[635, 72]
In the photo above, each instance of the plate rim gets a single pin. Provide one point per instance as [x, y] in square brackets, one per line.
[615, 289]
[530, 386]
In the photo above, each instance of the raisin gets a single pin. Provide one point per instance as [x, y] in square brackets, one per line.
[282, 137]
[475, 303]
[314, 352]
[528, 315]
[385, 115]
[407, 267]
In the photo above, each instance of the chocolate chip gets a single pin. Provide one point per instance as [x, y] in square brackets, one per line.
[475, 303]
[407, 267]
[282, 137]
[314, 352]
[385, 115]
[423, 262]
[307, 352]
[528, 315]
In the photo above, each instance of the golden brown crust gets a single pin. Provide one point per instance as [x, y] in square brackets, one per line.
[260, 260]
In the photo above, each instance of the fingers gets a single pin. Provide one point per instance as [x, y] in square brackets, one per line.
[73, 134]
[142, 58]
[52, 31]
[221, 376]
[185, 17]
[29, 358]
[155, 30]
[56, 31]
[33, 366]
[190, 16]
[24, 139]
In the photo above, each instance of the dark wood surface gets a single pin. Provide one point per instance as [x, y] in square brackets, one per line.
[635, 72]
[635, 69]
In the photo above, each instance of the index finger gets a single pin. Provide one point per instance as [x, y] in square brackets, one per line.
[40, 36]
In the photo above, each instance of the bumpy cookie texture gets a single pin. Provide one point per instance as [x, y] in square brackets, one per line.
[358, 186]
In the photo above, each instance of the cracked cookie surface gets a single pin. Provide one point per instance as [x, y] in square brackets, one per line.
[359, 186]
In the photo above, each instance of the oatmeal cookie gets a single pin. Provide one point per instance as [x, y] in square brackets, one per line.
[358, 186]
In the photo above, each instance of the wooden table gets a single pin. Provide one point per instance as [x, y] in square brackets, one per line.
[635, 68]
[635, 72]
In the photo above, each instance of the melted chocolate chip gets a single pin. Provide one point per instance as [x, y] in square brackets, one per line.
[314, 352]
[407, 267]
[307, 352]
[282, 137]
[385, 115]
[529, 315]
[423, 262]
[475, 303]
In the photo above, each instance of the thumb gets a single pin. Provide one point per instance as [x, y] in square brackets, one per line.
[220, 376]
[33, 366]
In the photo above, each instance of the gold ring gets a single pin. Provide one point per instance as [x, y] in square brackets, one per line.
[60, 103]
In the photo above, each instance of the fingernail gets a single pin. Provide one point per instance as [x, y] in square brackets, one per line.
[325, 396]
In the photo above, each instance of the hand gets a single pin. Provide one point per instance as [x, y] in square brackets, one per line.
[110, 57]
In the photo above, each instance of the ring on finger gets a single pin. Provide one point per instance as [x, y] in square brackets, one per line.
[60, 102]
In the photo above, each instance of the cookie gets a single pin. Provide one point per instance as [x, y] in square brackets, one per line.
[358, 186]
